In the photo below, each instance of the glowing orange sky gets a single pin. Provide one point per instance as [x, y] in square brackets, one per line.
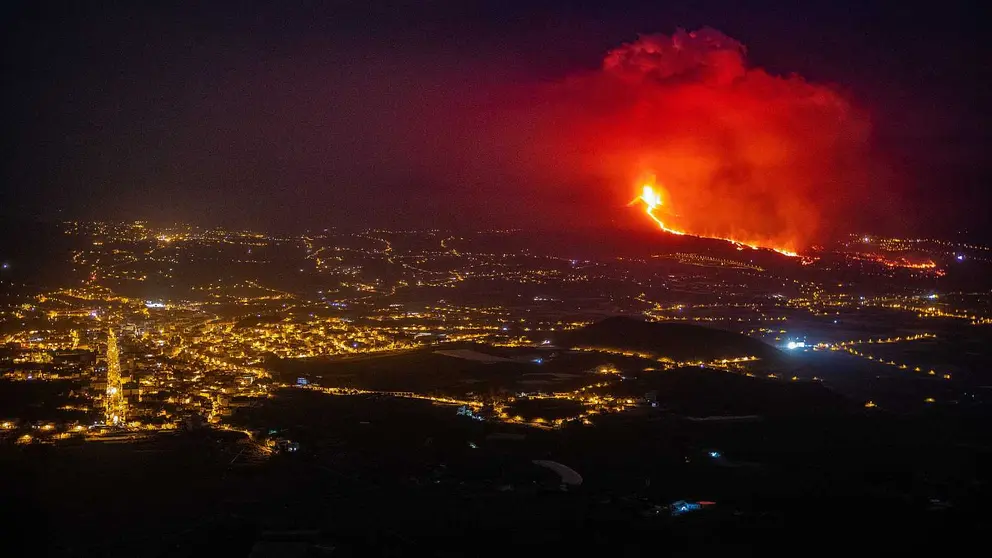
[742, 154]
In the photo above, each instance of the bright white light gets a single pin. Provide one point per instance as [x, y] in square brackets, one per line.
[791, 345]
[153, 304]
[932, 297]
[960, 258]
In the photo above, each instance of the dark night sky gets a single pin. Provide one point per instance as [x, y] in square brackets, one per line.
[315, 114]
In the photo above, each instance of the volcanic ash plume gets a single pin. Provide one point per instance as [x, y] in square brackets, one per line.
[734, 152]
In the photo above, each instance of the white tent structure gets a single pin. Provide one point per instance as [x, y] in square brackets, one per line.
[567, 474]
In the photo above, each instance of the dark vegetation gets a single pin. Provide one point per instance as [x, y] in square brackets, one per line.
[702, 391]
[40, 400]
[678, 341]
[425, 371]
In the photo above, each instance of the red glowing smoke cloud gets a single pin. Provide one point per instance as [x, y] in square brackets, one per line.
[740, 153]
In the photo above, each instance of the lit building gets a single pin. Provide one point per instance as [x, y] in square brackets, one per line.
[115, 405]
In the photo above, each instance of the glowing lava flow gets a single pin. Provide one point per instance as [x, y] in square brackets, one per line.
[652, 201]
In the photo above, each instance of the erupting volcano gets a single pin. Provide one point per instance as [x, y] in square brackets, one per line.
[740, 154]
[651, 197]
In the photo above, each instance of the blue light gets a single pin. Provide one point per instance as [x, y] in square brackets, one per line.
[680, 507]
[715, 454]
[960, 257]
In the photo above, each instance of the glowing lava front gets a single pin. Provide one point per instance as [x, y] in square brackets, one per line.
[652, 201]
[651, 197]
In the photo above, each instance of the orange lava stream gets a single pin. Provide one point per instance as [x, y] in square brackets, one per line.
[652, 200]
[901, 262]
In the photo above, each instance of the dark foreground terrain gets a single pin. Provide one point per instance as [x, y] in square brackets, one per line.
[386, 477]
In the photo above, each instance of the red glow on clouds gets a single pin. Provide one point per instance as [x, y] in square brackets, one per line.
[765, 160]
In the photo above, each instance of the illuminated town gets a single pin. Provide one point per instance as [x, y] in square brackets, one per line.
[155, 343]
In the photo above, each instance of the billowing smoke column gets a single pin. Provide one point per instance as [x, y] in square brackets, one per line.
[736, 153]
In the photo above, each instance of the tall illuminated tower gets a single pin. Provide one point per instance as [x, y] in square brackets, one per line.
[116, 408]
